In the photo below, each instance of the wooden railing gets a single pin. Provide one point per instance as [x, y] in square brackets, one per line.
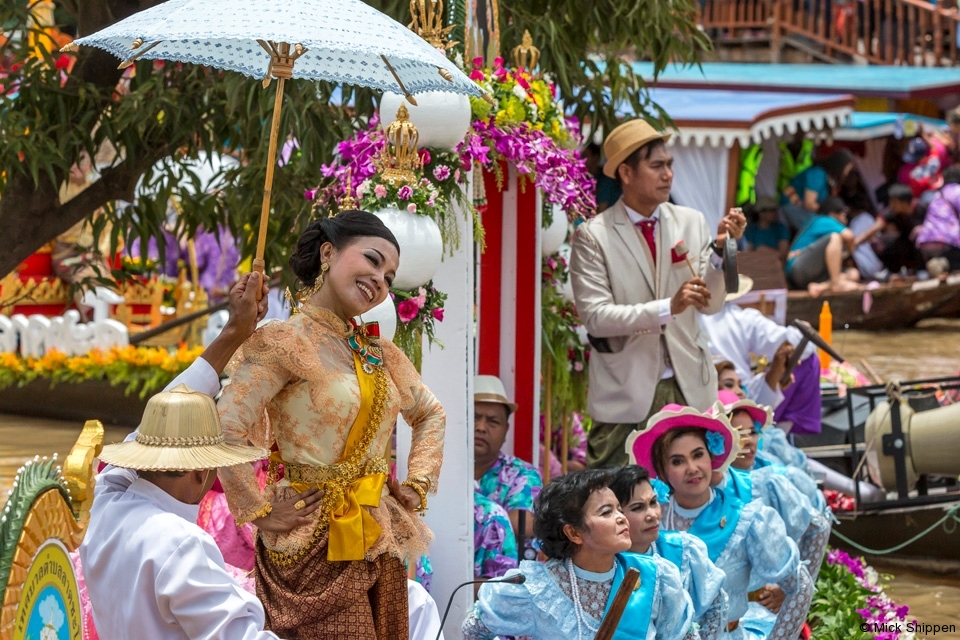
[898, 32]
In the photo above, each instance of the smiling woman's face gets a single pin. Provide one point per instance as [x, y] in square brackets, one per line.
[359, 277]
[688, 468]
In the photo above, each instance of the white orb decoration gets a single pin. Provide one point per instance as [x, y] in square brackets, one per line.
[421, 246]
[386, 314]
[441, 118]
[553, 236]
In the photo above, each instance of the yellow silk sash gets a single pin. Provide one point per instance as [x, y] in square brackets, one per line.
[352, 530]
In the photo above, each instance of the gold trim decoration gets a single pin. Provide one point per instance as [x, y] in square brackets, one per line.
[525, 55]
[157, 441]
[33, 291]
[79, 473]
[427, 21]
[399, 159]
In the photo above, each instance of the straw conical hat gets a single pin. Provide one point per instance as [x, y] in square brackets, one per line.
[180, 431]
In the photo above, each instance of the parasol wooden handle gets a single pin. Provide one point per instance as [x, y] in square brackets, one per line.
[610, 621]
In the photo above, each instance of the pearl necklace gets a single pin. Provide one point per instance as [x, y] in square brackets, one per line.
[577, 606]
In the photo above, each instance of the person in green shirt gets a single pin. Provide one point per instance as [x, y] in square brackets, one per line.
[815, 261]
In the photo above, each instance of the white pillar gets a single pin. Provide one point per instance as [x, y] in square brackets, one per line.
[448, 372]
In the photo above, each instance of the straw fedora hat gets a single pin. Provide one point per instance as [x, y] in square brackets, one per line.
[626, 139]
[180, 431]
[490, 389]
[745, 286]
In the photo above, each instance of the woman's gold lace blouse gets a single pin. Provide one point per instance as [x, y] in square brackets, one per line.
[294, 383]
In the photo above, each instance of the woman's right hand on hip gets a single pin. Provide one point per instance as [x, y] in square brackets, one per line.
[286, 515]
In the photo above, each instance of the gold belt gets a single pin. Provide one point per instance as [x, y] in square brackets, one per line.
[320, 474]
[347, 488]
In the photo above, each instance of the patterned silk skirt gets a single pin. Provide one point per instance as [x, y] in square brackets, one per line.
[316, 599]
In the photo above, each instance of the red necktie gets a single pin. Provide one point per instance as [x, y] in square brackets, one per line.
[647, 228]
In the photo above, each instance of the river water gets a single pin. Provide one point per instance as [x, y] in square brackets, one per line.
[931, 350]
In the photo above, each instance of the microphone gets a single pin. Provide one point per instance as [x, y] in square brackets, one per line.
[517, 578]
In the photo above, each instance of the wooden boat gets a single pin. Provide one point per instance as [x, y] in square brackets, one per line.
[890, 306]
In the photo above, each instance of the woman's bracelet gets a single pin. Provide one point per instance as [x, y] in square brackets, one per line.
[424, 481]
[263, 512]
[416, 486]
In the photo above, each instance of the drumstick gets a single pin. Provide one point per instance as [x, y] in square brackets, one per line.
[681, 249]
[610, 621]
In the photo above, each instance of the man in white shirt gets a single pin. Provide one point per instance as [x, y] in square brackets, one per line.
[636, 290]
[736, 332]
[150, 571]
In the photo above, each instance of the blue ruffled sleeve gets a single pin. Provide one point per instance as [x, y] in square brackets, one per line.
[503, 609]
[672, 610]
[703, 582]
[773, 555]
[775, 559]
[807, 486]
[777, 492]
[774, 442]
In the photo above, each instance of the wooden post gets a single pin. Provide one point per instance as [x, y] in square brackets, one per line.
[547, 419]
[565, 444]
[733, 177]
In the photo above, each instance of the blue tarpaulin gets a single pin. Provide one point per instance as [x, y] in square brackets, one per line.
[882, 81]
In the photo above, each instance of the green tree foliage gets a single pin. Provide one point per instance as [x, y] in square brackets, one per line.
[178, 110]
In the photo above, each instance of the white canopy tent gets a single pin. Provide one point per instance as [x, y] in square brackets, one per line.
[713, 125]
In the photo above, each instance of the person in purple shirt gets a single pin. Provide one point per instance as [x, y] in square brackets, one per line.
[505, 479]
[939, 235]
[494, 545]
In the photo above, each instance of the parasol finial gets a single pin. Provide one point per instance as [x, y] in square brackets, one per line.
[399, 158]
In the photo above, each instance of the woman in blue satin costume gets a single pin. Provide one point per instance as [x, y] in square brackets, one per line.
[702, 580]
[747, 541]
[587, 540]
[807, 525]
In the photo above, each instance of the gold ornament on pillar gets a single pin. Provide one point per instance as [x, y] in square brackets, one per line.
[525, 55]
[347, 203]
[427, 21]
[399, 159]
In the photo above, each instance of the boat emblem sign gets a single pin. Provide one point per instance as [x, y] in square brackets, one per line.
[49, 607]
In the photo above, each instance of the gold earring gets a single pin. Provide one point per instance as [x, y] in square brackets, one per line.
[308, 292]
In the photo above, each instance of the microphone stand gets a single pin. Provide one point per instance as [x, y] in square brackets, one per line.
[517, 578]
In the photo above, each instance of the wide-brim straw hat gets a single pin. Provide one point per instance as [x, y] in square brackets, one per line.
[180, 431]
[490, 389]
[758, 413]
[745, 287]
[674, 416]
[626, 139]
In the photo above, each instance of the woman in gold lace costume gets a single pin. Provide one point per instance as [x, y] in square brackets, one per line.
[334, 531]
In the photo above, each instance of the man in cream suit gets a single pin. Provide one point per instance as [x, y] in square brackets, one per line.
[637, 297]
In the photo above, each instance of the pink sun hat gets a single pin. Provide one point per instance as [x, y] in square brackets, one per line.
[758, 413]
[640, 443]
